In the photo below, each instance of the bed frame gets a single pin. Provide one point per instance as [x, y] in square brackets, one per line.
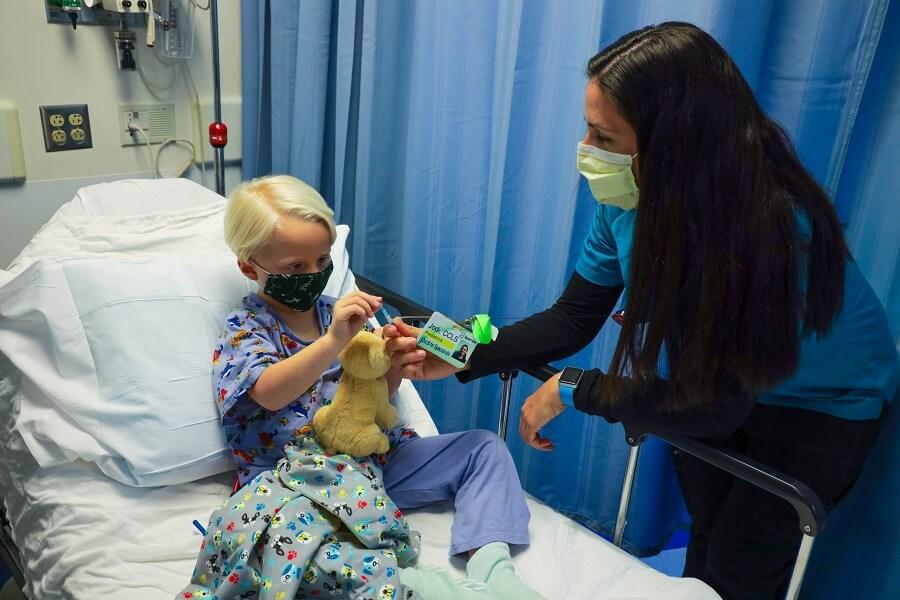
[809, 507]
[9, 554]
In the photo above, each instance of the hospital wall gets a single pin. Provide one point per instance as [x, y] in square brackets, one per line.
[47, 63]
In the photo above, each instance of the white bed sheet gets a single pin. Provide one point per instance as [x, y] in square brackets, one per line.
[82, 535]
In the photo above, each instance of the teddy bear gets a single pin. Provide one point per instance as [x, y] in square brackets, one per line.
[352, 423]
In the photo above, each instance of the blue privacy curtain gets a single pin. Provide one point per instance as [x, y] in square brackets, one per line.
[444, 133]
[858, 555]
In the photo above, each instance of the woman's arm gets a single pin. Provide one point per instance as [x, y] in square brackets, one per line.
[642, 406]
[560, 331]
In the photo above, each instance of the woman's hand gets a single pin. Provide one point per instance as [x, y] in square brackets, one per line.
[413, 362]
[394, 378]
[350, 314]
[539, 409]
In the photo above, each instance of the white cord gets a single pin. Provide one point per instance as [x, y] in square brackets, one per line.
[152, 87]
[156, 89]
[183, 168]
[198, 126]
[135, 127]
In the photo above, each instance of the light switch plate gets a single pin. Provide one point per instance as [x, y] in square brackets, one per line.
[66, 127]
[12, 157]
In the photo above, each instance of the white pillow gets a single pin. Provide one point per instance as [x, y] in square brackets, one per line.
[193, 230]
[130, 197]
[124, 265]
[120, 349]
[115, 352]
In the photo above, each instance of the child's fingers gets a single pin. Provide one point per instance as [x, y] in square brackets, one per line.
[357, 298]
[372, 301]
[361, 303]
[349, 311]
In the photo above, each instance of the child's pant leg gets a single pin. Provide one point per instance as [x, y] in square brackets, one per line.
[475, 469]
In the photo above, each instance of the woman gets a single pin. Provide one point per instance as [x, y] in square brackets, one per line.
[745, 319]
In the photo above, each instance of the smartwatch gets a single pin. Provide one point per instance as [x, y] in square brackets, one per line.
[568, 383]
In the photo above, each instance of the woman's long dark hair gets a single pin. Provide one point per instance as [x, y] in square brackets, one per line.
[720, 271]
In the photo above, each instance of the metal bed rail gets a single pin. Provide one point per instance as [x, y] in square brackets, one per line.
[9, 553]
[808, 506]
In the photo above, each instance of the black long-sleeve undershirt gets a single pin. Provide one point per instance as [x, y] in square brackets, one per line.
[571, 324]
[560, 331]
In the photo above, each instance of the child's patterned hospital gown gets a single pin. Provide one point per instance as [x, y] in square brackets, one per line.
[254, 338]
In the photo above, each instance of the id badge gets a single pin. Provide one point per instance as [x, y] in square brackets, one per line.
[448, 340]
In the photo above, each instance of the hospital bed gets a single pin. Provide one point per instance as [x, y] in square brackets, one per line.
[101, 474]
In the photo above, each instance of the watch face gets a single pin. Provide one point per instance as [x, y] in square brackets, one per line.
[571, 376]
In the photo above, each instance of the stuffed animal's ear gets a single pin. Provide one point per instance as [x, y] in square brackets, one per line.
[352, 352]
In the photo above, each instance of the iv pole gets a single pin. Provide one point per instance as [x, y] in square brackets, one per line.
[218, 132]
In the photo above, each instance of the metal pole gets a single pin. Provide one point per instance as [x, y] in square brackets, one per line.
[504, 403]
[219, 150]
[627, 485]
[800, 567]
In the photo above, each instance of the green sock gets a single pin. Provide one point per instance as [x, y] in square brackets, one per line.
[493, 565]
[432, 583]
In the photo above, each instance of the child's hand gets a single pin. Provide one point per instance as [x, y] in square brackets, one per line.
[350, 314]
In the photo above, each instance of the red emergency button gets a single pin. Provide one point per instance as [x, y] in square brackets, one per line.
[218, 135]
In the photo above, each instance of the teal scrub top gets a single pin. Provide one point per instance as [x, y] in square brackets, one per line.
[848, 373]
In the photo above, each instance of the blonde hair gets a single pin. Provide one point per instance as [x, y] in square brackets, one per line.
[255, 208]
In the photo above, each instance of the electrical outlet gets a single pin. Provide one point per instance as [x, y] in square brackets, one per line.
[157, 121]
[66, 127]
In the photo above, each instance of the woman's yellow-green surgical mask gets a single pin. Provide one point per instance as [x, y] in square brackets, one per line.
[609, 176]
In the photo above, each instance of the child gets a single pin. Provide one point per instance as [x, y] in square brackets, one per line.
[275, 364]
